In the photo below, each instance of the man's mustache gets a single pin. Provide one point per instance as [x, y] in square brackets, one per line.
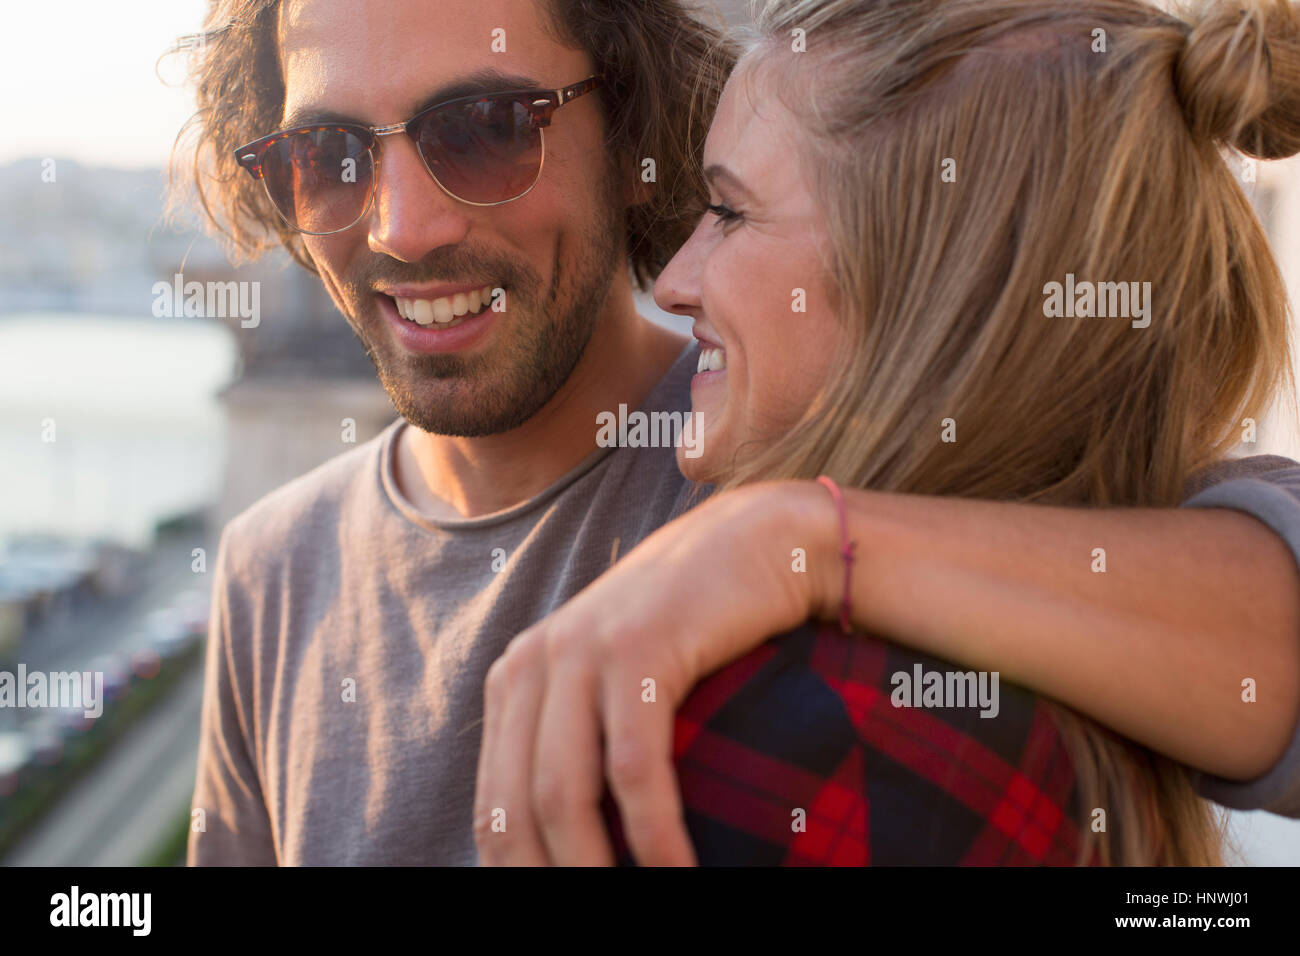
[472, 269]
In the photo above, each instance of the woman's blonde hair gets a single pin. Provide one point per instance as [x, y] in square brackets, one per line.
[968, 153]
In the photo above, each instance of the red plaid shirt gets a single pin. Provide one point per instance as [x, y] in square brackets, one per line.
[805, 723]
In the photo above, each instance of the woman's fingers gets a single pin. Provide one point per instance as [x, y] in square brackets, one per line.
[568, 781]
[638, 711]
[504, 828]
[612, 665]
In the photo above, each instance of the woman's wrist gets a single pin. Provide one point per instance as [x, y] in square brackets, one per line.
[798, 529]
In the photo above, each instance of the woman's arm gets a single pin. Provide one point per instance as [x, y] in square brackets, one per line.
[1191, 603]
[1157, 646]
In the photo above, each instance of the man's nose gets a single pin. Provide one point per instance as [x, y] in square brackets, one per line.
[412, 215]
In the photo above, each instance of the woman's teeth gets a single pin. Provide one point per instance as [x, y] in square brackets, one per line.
[445, 310]
[712, 360]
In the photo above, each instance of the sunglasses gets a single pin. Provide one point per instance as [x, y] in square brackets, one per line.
[484, 150]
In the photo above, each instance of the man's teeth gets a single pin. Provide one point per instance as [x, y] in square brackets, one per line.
[712, 360]
[445, 309]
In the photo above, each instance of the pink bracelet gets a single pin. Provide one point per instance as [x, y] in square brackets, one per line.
[846, 552]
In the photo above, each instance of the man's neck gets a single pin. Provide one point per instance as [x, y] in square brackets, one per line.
[450, 477]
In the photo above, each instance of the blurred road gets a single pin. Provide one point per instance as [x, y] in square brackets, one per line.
[72, 638]
[126, 803]
[119, 810]
[128, 800]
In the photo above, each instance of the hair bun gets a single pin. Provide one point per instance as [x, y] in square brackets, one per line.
[1238, 77]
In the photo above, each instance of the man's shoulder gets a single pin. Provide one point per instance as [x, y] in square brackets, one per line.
[306, 509]
[673, 391]
[1274, 469]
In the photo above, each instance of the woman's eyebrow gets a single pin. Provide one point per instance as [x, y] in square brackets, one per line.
[716, 172]
[481, 81]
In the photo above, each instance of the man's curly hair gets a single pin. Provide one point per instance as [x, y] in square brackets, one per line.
[663, 67]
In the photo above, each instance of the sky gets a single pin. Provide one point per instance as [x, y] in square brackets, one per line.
[77, 80]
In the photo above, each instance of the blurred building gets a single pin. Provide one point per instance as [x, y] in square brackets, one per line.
[87, 240]
[306, 393]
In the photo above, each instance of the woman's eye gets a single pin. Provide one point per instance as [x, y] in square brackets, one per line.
[725, 214]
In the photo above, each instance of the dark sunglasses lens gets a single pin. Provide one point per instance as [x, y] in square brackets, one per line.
[487, 151]
[319, 179]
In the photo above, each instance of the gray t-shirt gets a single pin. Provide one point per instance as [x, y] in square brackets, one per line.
[334, 587]
[351, 636]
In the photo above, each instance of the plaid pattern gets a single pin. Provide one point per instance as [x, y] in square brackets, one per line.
[806, 722]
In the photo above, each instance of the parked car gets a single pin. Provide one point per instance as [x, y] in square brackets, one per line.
[146, 663]
[117, 675]
[195, 606]
[13, 619]
[169, 632]
[74, 721]
[15, 754]
[45, 738]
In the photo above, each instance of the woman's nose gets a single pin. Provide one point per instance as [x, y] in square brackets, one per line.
[678, 287]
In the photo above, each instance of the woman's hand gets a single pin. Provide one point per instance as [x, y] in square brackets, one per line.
[590, 691]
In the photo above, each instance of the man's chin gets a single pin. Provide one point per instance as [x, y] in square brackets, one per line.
[460, 409]
[439, 394]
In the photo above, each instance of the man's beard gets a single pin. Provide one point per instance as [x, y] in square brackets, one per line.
[495, 392]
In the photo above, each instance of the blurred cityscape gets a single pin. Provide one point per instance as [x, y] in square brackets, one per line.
[129, 438]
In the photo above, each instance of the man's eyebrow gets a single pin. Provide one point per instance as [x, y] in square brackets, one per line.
[716, 171]
[474, 84]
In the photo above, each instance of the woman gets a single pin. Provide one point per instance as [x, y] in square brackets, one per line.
[900, 212]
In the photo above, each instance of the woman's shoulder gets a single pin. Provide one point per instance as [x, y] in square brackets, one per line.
[925, 762]
[868, 679]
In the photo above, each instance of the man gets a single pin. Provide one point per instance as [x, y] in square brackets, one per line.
[480, 253]
[401, 570]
